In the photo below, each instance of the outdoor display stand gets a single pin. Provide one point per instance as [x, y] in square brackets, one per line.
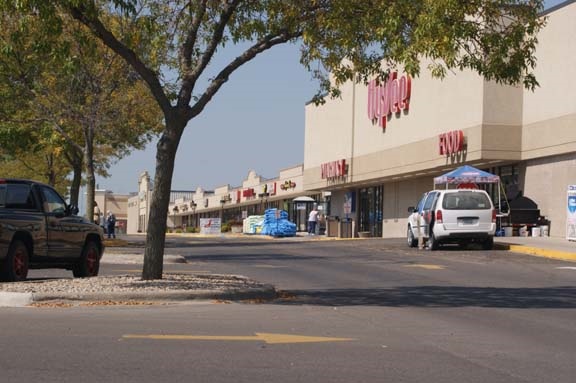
[468, 177]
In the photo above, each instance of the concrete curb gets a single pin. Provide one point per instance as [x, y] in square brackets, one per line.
[135, 258]
[265, 292]
[15, 299]
[530, 250]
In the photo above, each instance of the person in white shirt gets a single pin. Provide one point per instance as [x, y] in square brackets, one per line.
[312, 220]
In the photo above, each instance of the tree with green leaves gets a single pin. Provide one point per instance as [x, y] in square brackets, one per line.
[71, 95]
[349, 40]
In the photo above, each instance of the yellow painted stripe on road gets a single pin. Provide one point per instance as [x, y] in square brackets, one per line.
[168, 271]
[261, 337]
[427, 267]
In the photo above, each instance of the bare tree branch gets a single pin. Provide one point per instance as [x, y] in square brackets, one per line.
[188, 45]
[225, 73]
[189, 79]
[100, 31]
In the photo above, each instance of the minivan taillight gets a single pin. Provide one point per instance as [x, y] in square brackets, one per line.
[439, 216]
[493, 215]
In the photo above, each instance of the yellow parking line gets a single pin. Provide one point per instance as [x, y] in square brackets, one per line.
[261, 337]
[427, 267]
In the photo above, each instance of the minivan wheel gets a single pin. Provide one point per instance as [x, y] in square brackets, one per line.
[412, 242]
[15, 266]
[488, 244]
[89, 263]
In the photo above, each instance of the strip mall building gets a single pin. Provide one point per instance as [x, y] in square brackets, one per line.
[376, 155]
[370, 154]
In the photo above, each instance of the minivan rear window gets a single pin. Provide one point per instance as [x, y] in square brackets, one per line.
[466, 200]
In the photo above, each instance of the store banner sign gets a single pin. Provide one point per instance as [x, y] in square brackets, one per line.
[571, 213]
[450, 143]
[333, 169]
[210, 225]
[389, 97]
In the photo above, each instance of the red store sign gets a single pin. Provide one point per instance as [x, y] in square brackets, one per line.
[288, 185]
[451, 142]
[390, 97]
[247, 193]
[333, 169]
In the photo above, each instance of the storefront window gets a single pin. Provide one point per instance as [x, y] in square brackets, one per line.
[509, 181]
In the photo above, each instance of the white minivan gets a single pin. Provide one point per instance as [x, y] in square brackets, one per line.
[459, 216]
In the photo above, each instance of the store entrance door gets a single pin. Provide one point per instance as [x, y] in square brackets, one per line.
[301, 207]
[371, 205]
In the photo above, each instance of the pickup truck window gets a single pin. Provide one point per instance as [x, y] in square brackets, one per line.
[53, 203]
[16, 196]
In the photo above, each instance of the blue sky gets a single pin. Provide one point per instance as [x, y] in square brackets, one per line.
[255, 122]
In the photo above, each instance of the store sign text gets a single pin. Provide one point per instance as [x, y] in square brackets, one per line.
[333, 169]
[288, 185]
[248, 193]
[451, 142]
[269, 189]
[393, 96]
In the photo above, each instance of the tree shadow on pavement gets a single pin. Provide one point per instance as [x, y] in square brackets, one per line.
[436, 296]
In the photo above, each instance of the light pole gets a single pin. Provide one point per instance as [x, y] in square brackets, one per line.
[222, 203]
[263, 199]
[193, 207]
[174, 210]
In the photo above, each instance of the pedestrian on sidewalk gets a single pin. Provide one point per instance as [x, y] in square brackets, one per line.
[111, 224]
[312, 220]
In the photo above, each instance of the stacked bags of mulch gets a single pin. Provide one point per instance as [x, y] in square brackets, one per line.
[253, 224]
[276, 224]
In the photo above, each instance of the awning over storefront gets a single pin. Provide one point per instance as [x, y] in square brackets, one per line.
[304, 198]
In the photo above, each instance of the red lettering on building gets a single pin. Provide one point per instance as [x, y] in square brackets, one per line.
[248, 193]
[393, 96]
[451, 142]
[288, 185]
[333, 169]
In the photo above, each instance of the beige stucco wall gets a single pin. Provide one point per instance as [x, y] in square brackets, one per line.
[550, 111]
[436, 106]
[398, 196]
[327, 135]
[555, 70]
[490, 116]
[546, 182]
[502, 125]
[132, 211]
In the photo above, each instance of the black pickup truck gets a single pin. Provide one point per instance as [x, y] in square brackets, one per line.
[39, 230]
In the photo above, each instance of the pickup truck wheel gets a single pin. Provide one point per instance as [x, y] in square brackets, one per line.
[412, 242]
[89, 263]
[15, 266]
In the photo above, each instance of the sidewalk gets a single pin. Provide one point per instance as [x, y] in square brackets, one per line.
[549, 247]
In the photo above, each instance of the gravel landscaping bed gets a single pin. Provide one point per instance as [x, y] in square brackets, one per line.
[126, 283]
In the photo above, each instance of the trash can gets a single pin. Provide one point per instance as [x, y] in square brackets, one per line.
[332, 226]
[345, 228]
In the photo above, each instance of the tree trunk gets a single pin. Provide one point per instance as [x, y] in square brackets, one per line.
[90, 177]
[156, 231]
[75, 160]
[76, 182]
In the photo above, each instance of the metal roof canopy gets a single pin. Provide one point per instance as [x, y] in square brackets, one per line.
[304, 198]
